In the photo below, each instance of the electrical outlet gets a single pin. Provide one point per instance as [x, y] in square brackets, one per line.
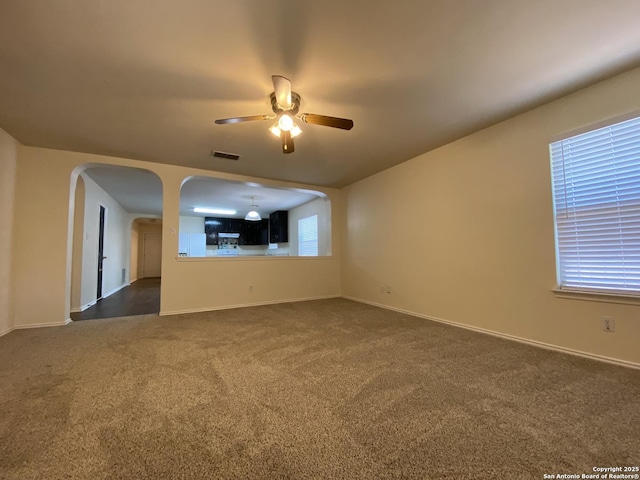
[387, 288]
[608, 324]
[250, 288]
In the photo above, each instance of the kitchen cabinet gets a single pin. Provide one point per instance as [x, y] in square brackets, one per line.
[212, 227]
[234, 225]
[250, 233]
[264, 232]
[279, 227]
[255, 233]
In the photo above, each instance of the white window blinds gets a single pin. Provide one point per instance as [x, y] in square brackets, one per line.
[596, 192]
[308, 236]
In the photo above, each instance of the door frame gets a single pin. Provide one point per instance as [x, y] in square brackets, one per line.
[86, 268]
[102, 227]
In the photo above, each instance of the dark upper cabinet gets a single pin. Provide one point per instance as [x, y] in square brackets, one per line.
[223, 225]
[231, 225]
[251, 233]
[264, 232]
[236, 225]
[212, 227]
[254, 233]
[279, 227]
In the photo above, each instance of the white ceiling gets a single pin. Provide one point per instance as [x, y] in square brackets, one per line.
[215, 193]
[145, 79]
[140, 191]
[136, 190]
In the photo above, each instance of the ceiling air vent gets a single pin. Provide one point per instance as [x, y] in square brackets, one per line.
[225, 155]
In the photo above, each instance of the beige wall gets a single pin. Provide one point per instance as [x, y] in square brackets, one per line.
[133, 259]
[465, 233]
[78, 242]
[191, 225]
[45, 191]
[320, 207]
[8, 164]
[212, 282]
[117, 243]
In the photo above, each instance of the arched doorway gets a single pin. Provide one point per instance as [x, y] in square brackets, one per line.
[113, 206]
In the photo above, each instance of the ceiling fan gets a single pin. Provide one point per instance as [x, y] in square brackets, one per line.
[285, 105]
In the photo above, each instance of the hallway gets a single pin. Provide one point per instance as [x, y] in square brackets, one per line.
[142, 297]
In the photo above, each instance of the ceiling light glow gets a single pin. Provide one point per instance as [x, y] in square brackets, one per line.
[275, 130]
[253, 216]
[285, 123]
[214, 211]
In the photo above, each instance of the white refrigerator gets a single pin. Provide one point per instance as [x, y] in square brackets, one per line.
[192, 245]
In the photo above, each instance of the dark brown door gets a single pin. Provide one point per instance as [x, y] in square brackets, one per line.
[101, 256]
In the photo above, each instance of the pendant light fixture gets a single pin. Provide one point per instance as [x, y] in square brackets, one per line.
[253, 215]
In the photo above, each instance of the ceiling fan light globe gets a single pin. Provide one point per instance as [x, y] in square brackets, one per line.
[295, 131]
[285, 123]
[275, 130]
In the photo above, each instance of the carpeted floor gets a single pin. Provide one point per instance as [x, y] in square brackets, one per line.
[322, 389]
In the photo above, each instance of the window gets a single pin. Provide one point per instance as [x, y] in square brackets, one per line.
[596, 194]
[308, 236]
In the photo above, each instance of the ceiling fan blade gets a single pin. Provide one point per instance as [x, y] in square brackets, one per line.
[282, 87]
[222, 121]
[287, 142]
[335, 122]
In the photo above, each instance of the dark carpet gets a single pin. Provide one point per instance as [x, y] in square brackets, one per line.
[321, 389]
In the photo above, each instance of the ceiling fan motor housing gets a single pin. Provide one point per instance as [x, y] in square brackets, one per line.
[292, 110]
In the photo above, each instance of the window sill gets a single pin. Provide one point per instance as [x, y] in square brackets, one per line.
[596, 296]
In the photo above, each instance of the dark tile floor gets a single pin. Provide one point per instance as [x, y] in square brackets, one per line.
[140, 298]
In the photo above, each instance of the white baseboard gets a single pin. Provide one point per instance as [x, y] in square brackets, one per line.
[506, 336]
[84, 307]
[117, 289]
[4, 332]
[244, 305]
[36, 325]
[93, 302]
[40, 325]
